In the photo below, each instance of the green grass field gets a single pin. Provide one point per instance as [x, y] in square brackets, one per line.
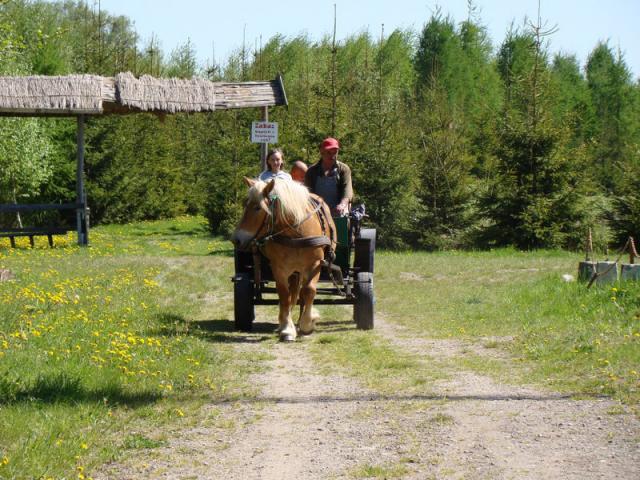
[102, 347]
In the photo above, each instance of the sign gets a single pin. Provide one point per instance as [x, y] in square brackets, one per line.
[264, 132]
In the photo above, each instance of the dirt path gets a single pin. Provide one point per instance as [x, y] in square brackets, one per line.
[505, 431]
[307, 426]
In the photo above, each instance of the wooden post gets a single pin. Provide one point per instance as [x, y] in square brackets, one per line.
[264, 147]
[81, 220]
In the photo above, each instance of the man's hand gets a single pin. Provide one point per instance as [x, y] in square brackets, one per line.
[343, 208]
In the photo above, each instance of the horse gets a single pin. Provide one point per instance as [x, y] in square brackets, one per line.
[293, 229]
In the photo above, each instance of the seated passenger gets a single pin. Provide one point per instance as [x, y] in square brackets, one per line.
[298, 170]
[331, 179]
[275, 162]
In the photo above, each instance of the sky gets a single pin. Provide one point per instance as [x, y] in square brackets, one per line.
[217, 27]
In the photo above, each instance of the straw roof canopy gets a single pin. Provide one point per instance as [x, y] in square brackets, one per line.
[94, 95]
[77, 93]
[166, 95]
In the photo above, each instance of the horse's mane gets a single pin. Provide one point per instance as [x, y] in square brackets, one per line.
[293, 198]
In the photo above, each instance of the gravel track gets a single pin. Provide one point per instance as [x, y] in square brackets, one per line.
[304, 425]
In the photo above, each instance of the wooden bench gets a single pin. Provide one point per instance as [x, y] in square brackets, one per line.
[31, 232]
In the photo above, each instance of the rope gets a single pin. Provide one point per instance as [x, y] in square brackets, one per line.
[632, 251]
[600, 274]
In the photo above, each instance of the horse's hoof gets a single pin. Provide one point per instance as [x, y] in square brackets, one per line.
[302, 332]
[287, 337]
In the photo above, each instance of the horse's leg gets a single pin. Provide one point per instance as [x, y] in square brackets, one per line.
[294, 289]
[308, 317]
[287, 328]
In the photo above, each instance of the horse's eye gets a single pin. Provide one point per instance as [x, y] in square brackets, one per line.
[257, 209]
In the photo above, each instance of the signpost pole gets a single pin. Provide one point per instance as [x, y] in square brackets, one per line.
[264, 147]
[81, 197]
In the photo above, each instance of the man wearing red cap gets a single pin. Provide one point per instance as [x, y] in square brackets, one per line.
[331, 179]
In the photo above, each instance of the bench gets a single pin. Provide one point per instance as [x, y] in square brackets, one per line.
[31, 232]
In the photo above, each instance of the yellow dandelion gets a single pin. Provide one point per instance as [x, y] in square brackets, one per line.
[4, 461]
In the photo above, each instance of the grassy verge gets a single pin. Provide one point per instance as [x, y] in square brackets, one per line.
[571, 338]
[100, 347]
[560, 334]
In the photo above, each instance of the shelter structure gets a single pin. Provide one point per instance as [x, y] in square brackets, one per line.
[91, 95]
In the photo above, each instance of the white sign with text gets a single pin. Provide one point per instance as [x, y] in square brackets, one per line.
[264, 132]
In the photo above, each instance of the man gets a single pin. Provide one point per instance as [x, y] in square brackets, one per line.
[331, 179]
[298, 171]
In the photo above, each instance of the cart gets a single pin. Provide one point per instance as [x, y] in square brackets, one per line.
[348, 282]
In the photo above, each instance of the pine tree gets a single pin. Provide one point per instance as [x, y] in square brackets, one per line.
[535, 196]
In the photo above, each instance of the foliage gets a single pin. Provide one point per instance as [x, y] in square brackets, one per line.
[24, 148]
[452, 142]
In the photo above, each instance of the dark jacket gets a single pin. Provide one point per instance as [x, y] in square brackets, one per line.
[345, 189]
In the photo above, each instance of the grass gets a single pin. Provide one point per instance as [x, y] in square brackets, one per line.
[570, 338]
[374, 361]
[561, 335]
[100, 346]
[103, 347]
[388, 470]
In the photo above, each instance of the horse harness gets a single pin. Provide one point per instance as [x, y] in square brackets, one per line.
[299, 242]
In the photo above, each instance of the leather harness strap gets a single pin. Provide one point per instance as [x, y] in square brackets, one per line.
[323, 240]
[300, 242]
[319, 241]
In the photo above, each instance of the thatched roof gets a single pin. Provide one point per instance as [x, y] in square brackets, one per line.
[77, 93]
[93, 95]
[166, 95]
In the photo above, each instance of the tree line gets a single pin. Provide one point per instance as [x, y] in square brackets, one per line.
[454, 142]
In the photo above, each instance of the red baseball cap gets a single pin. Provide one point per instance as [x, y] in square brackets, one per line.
[329, 143]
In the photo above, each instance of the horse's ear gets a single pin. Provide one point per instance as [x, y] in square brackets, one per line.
[268, 188]
[249, 181]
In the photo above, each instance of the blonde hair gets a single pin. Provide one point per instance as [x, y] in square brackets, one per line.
[293, 198]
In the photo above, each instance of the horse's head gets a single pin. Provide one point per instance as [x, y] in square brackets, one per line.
[256, 214]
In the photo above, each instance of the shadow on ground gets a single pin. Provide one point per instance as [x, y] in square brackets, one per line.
[63, 388]
[223, 331]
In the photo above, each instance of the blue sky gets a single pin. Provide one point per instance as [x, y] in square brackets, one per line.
[219, 25]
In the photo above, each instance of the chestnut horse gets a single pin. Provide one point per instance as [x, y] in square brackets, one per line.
[292, 228]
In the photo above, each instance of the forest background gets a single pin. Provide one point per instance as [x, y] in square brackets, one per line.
[453, 142]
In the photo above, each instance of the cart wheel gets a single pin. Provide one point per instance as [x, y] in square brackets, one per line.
[243, 308]
[364, 248]
[364, 301]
